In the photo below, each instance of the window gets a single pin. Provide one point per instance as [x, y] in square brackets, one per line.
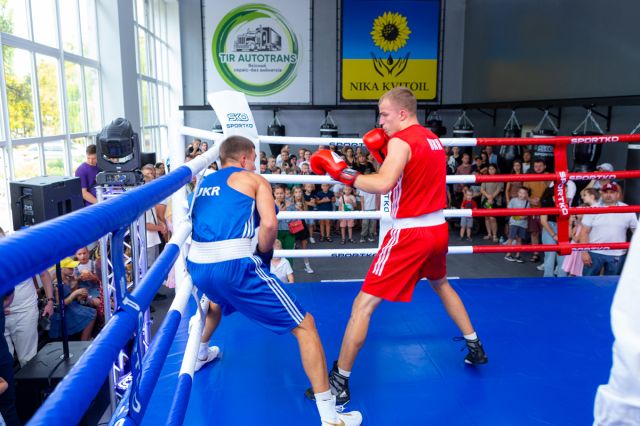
[75, 110]
[26, 161]
[45, 26]
[52, 78]
[18, 79]
[54, 158]
[14, 18]
[78, 151]
[153, 76]
[5, 211]
[49, 94]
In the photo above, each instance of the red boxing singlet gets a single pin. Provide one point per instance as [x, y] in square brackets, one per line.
[421, 188]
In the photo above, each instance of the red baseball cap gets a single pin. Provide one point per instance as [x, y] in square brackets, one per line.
[612, 186]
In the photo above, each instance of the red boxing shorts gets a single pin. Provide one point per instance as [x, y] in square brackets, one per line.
[407, 255]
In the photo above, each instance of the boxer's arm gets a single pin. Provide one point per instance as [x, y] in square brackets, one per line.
[399, 154]
[266, 209]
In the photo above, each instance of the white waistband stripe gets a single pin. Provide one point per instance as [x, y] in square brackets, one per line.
[219, 251]
[429, 219]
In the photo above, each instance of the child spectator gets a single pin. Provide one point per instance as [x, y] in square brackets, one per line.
[492, 198]
[263, 168]
[477, 164]
[572, 263]
[518, 224]
[347, 203]
[324, 202]
[463, 169]
[455, 159]
[285, 237]
[280, 267]
[79, 318]
[271, 163]
[310, 202]
[514, 187]
[303, 236]
[305, 169]
[87, 273]
[466, 223]
[337, 192]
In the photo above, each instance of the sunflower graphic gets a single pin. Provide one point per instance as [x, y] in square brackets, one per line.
[390, 33]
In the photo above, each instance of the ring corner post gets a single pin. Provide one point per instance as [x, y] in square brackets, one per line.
[562, 176]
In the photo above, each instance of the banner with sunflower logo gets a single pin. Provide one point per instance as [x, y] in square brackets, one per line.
[262, 50]
[387, 44]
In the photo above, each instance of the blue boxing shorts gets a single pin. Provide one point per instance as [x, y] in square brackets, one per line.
[243, 285]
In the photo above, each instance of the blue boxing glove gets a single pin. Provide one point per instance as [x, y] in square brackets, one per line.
[256, 216]
[265, 258]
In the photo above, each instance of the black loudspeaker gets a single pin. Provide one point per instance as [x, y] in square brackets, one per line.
[36, 380]
[42, 198]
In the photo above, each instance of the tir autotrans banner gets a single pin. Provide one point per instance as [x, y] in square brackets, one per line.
[261, 50]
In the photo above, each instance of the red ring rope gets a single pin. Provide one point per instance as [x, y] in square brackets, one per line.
[560, 178]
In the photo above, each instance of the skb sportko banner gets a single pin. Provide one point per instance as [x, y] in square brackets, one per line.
[262, 50]
[387, 44]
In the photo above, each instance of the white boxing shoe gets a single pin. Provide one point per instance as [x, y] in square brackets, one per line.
[352, 418]
[213, 352]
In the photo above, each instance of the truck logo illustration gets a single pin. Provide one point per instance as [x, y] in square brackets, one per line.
[261, 39]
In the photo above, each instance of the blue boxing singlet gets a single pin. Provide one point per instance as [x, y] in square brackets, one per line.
[221, 212]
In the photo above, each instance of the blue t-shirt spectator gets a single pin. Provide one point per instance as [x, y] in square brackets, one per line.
[324, 207]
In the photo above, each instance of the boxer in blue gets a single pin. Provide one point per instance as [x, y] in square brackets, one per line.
[222, 265]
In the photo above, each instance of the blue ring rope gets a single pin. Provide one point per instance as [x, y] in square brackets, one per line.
[98, 358]
[35, 249]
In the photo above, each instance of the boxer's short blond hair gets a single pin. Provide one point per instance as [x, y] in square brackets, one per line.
[402, 97]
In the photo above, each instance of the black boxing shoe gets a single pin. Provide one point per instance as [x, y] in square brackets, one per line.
[476, 354]
[338, 384]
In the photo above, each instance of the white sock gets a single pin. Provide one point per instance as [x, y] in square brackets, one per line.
[344, 373]
[326, 404]
[472, 336]
[203, 351]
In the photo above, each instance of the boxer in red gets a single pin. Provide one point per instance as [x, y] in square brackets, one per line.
[413, 169]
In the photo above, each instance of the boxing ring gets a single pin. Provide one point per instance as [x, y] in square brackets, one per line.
[548, 340]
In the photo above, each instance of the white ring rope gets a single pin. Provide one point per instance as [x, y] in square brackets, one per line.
[302, 179]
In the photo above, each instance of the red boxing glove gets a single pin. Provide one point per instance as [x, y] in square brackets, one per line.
[326, 162]
[376, 141]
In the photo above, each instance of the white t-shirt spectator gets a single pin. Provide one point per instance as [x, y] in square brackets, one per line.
[25, 297]
[368, 201]
[153, 238]
[610, 228]
[282, 269]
